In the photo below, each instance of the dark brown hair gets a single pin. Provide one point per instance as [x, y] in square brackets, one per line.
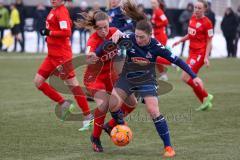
[89, 21]
[142, 23]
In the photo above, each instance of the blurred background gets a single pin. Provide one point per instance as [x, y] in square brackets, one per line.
[33, 14]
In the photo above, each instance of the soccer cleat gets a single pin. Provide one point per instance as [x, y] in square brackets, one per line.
[169, 152]
[96, 144]
[207, 103]
[87, 123]
[67, 107]
[107, 128]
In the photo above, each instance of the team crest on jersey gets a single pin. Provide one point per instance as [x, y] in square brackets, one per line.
[192, 62]
[140, 61]
[198, 25]
[149, 55]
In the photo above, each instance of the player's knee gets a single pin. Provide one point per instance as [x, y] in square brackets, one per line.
[114, 104]
[132, 102]
[38, 82]
[103, 107]
[154, 114]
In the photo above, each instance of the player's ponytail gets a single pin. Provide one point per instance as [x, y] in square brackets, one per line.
[130, 9]
[89, 21]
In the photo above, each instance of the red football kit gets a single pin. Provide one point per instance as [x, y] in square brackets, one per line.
[199, 31]
[58, 42]
[160, 22]
[100, 75]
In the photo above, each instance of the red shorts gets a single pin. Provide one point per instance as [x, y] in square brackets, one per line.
[58, 66]
[101, 82]
[196, 60]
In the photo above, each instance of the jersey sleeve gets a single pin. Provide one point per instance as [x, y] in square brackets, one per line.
[161, 51]
[64, 23]
[209, 29]
[92, 44]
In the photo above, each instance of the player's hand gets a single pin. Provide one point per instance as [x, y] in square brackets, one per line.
[92, 58]
[198, 82]
[116, 36]
[44, 32]
[206, 62]
[175, 44]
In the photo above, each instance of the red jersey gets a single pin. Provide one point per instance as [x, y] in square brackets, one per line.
[59, 23]
[199, 31]
[103, 67]
[159, 21]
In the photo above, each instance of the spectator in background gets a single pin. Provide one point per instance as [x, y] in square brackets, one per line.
[15, 26]
[73, 15]
[117, 18]
[211, 15]
[238, 28]
[229, 28]
[184, 20]
[82, 31]
[4, 21]
[141, 7]
[21, 9]
[39, 21]
[96, 6]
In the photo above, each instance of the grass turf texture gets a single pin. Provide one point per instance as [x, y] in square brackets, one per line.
[29, 129]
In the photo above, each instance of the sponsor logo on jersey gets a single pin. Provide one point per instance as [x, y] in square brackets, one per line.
[140, 61]
[163, 17]
[109, 55]
[192, 31]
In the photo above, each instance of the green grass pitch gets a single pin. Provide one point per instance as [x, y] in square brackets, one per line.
[29, 129]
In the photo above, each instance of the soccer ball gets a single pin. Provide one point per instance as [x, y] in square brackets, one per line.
[121, 135]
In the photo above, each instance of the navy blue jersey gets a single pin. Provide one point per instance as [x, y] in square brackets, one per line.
[140, 62]
[119, 20]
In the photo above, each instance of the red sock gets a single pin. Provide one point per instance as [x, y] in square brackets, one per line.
[126, 111]
[200, 92]
[51, 93]
[81, 99]
[98, 122]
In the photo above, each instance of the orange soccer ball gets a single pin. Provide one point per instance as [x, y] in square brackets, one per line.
[121, 135]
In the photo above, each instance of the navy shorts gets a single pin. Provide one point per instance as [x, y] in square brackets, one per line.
[143, 89]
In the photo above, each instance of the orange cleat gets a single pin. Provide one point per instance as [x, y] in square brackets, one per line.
[169, 152]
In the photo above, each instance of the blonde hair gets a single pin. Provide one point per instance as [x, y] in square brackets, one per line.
[204, 2]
